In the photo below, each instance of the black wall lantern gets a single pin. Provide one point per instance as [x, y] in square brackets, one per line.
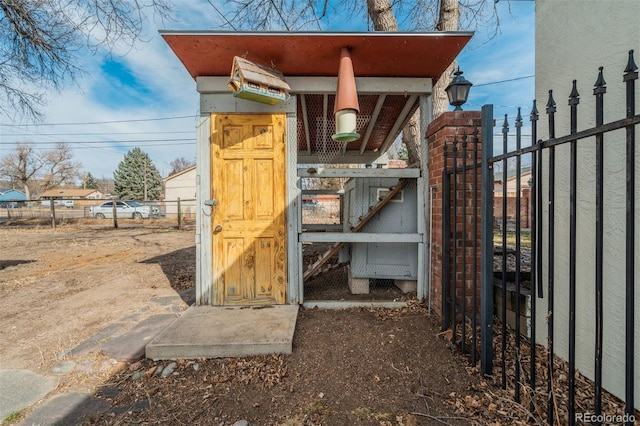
[458, 90]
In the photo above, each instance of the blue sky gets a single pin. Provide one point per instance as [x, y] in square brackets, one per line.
[144, 97]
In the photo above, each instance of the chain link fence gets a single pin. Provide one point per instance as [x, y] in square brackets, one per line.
[169, 213]
[377, 269]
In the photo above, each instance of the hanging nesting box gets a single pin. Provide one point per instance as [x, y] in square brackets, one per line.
[257, 83]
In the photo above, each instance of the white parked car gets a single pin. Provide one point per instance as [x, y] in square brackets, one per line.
[124, 209]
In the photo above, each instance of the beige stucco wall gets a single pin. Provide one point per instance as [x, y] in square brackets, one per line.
[574, 38]
[181, 186]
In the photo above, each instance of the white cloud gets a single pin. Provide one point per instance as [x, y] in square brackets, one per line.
[170, 91]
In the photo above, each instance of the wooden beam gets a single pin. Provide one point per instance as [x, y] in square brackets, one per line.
[348, 304]
[305, 120]
[365, 85]
[325, 121]
[294, 248]
[225, 102]
[372, 122]
[322, 192]
[318, 85]
[396, 127]
[319, 228]
[358, 173]
[360, 237]
[349, 157]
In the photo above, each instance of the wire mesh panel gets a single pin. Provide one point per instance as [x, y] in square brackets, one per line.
[321, 206]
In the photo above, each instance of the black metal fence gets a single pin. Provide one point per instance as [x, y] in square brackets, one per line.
[521, 264]
[460, 252]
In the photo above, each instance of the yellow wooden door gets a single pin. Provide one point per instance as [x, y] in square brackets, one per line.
[249, 222]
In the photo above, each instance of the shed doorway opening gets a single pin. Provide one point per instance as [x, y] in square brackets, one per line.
[359, 235]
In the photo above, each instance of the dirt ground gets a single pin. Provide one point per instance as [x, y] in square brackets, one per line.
[58, 288]
[358, 366]
[354, 367]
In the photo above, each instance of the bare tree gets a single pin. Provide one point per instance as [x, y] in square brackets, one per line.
[381, 15]
[40, 42]
[21, 166]
[180, 164]
[297, 15]
[59, 168]
[106, 185]
[41, 169]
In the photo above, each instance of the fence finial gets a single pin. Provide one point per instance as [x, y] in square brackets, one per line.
[533, 115]
[551, 104]
[519, 119]
[574, 96]
[505, 125]
[631, 71]
[600, 86]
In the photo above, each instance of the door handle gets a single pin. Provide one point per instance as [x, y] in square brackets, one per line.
[211, 203]
[217, 229]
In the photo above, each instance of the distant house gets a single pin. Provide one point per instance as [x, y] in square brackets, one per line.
[525, 197]
[80, 197]
[72, 194]
[525, 179]
[12, 195]
[181, 185]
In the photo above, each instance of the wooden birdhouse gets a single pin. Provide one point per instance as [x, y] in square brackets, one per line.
[257, 83]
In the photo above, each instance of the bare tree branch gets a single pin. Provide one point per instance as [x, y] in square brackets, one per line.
[41, 40]
[60, 167]
[180, 164]
[40, 169]
[411, 15]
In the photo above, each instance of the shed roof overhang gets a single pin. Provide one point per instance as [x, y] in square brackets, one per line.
[378, 57]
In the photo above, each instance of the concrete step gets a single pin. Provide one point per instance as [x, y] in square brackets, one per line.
[220, 332]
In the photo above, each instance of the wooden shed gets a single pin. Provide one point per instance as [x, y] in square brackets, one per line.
[252, 156]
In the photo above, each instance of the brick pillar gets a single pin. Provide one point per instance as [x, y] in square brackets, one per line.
[441, 131]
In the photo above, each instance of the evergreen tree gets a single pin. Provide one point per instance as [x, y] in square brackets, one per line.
[134, 173]
[89, 182]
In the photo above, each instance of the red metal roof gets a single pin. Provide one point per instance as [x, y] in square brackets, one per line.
[374, 54]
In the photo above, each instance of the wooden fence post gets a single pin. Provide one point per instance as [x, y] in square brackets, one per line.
[115, 215]
[53, 214]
